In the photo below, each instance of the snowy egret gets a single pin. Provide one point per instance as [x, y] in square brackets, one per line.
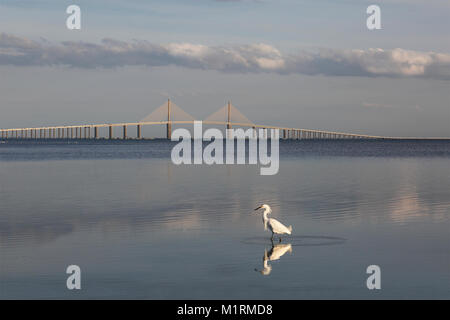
[274, 225]
[275, 253]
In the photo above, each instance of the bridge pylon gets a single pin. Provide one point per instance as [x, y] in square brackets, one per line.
[229, 115]
[169, 122]
[167, 114]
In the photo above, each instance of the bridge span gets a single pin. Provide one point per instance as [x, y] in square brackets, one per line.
[166, 115]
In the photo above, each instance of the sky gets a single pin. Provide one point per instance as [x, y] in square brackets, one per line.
[306, 64]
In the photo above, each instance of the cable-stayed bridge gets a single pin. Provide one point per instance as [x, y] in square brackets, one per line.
[170, 114]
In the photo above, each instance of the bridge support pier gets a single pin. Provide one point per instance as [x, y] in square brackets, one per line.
[110, 132]
[95, 132]
[169, 131]
[138, 131]
[124, 132]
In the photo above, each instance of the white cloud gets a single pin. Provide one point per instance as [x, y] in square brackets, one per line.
[238, 59]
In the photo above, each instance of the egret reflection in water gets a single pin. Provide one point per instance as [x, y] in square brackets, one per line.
[275, 253]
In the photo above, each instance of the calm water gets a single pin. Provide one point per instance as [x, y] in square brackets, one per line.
[141, 227]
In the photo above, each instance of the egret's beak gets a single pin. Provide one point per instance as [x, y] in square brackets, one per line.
[258, 208]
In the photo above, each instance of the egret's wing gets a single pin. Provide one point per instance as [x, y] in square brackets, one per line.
[278, 227]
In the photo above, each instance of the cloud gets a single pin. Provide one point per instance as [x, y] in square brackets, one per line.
[252, 58]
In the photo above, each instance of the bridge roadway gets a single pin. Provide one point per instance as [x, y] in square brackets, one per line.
[84, 131]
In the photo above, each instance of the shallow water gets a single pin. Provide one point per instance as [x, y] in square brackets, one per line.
[141, 227]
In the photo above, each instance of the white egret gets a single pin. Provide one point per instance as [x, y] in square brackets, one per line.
[274, 225]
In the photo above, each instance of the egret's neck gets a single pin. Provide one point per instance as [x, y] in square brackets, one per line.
[266, 214]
